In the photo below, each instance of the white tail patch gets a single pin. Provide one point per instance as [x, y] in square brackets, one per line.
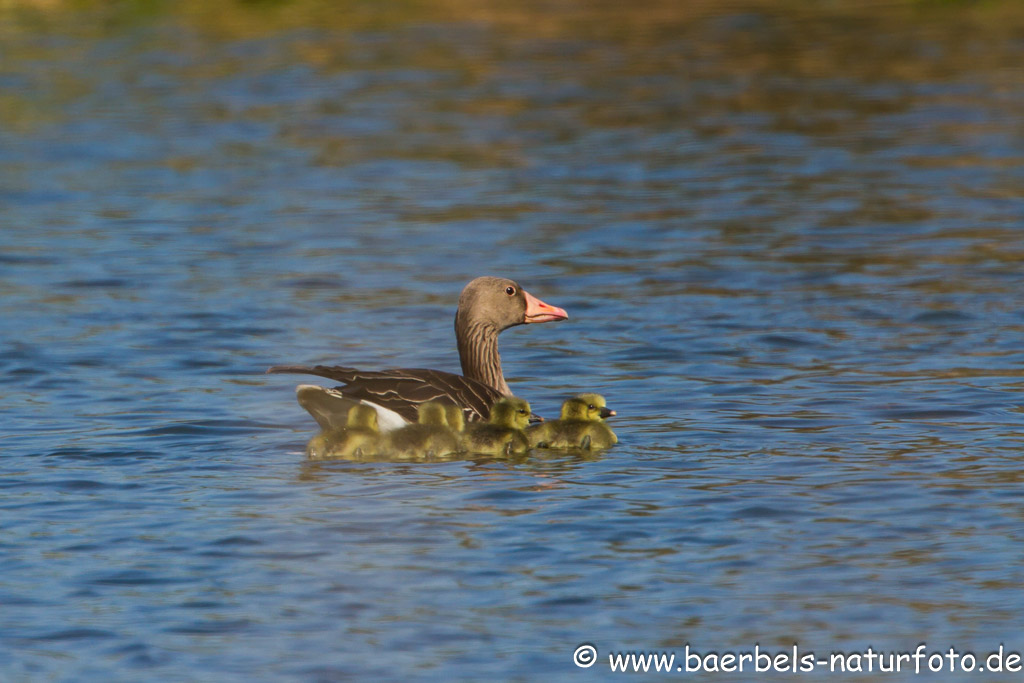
[387, 420]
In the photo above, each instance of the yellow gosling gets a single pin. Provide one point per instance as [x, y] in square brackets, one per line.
[581, 425]
[456, 418]
[429, 438]
[503, 433]
[360, 438]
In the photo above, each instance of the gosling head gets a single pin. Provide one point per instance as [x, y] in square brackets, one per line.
[455, 416]
[586, 407]
[511, 412]
[363, 417]
[432, 413]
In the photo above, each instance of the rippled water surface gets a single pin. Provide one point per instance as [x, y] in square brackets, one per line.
[788, 238]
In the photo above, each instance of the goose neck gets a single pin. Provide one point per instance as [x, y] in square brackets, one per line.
[478, 352]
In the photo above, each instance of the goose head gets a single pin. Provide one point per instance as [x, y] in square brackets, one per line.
[487, 306]
[511, 412]
[497, 303]
[586, 407]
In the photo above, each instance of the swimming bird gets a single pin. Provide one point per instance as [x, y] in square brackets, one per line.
[487, 306]
[429, 437]
[581, 425]
[502, 434]
[360, 437]
[456, 419]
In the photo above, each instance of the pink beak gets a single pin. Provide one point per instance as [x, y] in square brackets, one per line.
[539, 312]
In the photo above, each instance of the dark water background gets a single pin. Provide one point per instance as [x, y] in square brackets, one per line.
[788, 237]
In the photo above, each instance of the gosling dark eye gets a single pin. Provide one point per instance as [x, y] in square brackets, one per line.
[510, 290]
[591, 406]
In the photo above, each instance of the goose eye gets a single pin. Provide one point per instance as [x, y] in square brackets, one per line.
[591, 406]
[510, 290]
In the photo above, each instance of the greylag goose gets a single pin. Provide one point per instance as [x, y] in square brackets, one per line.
[487, 306]
[581, 425]
[429, 437]
[361, 437]
[502, 434]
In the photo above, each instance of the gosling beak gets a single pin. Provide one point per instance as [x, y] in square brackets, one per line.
[539, 312]
[606, 412]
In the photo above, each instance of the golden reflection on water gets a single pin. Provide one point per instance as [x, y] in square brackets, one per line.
[762, 53]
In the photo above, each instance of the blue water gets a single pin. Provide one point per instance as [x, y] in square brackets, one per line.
[789, 247]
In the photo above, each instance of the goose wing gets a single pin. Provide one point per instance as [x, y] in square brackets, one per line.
[402, 390]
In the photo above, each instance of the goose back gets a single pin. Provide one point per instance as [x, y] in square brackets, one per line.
[404, 390]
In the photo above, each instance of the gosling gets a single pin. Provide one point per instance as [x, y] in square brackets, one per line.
[581, 425]
[430, 437]
[503, 433]
[456, 419]
[361, 437]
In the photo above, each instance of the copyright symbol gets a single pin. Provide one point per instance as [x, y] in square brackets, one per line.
[585, 656]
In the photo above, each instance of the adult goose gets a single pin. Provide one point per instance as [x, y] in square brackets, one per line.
[487, 306]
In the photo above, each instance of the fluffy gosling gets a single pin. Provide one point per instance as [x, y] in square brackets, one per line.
[361, 437]
[503, 433]
[430, 437]
[581, 425]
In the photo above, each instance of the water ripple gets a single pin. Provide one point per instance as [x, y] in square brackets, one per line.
[787, 239]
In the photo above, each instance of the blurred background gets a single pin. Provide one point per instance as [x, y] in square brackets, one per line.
[788, 236]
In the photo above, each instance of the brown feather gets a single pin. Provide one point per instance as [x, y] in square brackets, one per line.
[403, 390]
